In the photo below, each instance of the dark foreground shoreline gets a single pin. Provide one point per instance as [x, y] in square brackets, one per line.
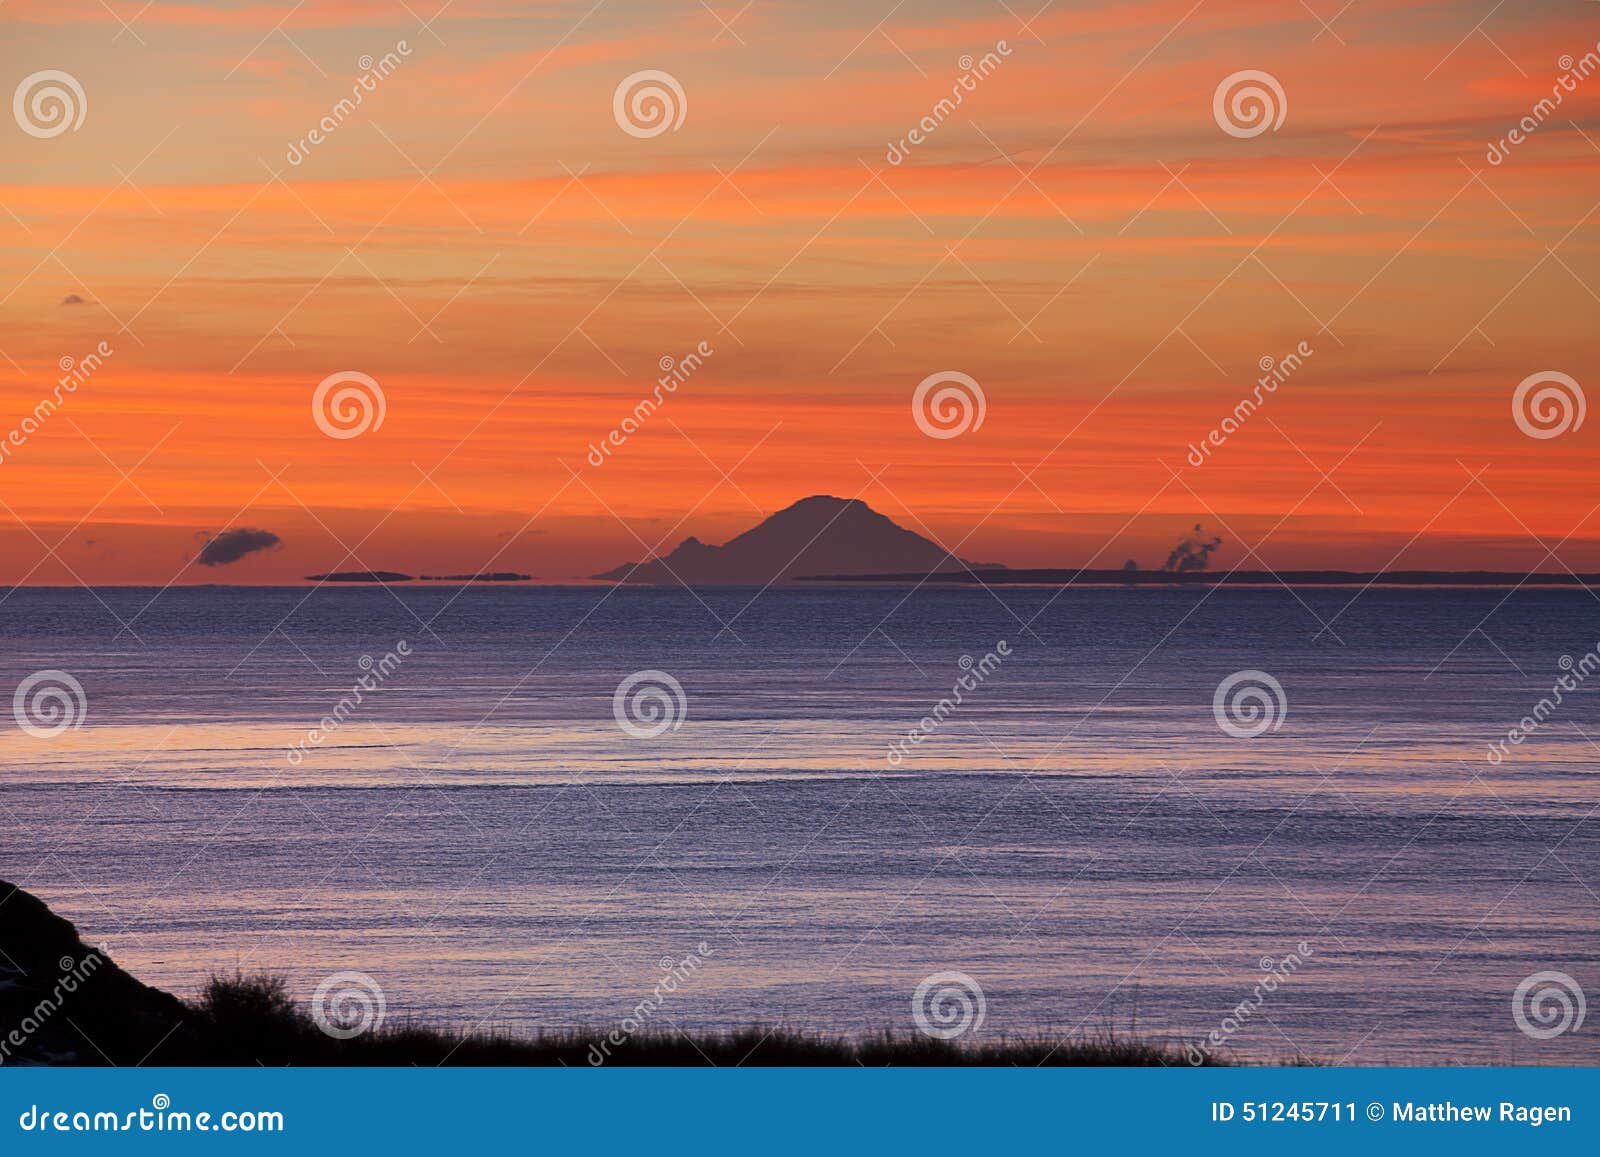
[63, 1002]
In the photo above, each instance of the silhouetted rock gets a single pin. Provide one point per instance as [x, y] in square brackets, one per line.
[817, 535]
[64, 1002]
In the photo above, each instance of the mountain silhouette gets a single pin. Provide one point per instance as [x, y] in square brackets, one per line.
[817, 535]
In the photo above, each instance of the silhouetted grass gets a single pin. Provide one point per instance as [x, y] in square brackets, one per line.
[247, 1020]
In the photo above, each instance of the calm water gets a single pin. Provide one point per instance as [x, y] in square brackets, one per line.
[1079, 836]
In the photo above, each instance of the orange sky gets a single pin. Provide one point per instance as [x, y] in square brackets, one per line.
[483, 239]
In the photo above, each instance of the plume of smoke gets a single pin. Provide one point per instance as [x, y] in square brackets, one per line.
[1192, 554]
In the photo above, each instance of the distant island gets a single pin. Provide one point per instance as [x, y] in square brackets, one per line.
[360, 576]
[1066, 576]
[394, 576]
[820, 534]
[824, 539]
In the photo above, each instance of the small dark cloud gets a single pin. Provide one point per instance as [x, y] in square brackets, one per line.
[73, 299]
[232, 545]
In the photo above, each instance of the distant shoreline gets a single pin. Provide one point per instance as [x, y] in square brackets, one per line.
[1065, 577]
[1061, 577]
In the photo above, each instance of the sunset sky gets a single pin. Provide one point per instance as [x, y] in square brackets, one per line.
[483, 239]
